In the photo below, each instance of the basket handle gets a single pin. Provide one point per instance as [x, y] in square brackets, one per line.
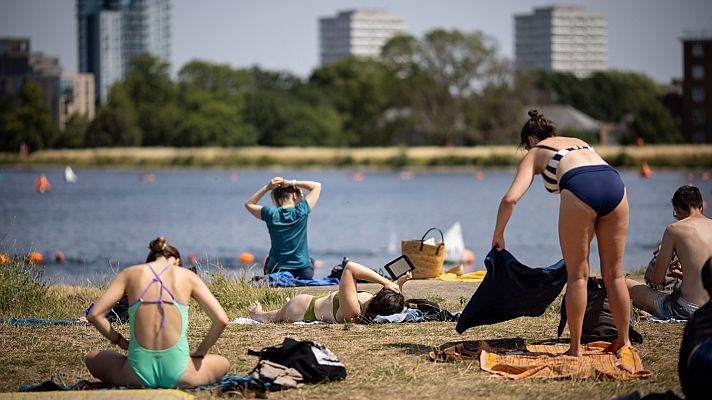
[442, 239]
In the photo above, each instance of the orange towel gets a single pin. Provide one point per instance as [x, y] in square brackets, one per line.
[548, 361]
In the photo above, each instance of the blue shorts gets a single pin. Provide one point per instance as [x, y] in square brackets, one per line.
[673, 306]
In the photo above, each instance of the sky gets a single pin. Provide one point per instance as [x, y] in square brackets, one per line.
[643, 35]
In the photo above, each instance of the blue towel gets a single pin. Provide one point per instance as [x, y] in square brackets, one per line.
[42, 322]
[286, 279]
[510, 290]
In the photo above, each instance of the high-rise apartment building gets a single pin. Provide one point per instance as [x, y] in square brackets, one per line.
[357, 33]
[697, 87]
[561, 38]
[112, 32]
[63, 95]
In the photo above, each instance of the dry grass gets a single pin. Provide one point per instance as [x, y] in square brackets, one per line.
[382, 360]
[376, 157]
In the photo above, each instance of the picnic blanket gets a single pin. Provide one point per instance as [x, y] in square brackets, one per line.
[548, 361]
[286, 279]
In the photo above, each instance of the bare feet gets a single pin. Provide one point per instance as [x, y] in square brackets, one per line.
[573, 352]
[615, 346]
[256, 313]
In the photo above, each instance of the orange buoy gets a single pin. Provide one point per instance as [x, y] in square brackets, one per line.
[42, 184]
[706, 175]
[479, 175]
[645, 171]
[247, 258]
[34, 257]
[357, 176]
[192, 259]
[4, 259]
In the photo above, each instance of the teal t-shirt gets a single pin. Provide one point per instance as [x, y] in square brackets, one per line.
[288, 233]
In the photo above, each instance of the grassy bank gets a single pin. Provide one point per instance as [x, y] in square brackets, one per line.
[382, 360]
[690, 156]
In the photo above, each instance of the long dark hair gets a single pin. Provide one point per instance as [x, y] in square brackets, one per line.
[385, 302]
[537, 126]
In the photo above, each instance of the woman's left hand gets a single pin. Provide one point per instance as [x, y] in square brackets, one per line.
[403, 279]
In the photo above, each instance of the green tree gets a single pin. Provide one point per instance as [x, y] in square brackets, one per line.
[115, 124]
[149, 87]
[74, 133]
[439, 74]
[361, 90]
[24, 118]
[633, 100]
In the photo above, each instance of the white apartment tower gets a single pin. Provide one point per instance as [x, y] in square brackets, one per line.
[561, 38]
[357, 33]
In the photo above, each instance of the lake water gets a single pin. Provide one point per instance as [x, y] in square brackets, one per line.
[105, 220]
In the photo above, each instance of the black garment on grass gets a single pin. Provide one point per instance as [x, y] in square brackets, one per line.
[695, 363]
[510, 290]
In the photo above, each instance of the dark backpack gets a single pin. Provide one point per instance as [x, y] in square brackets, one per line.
[119, 313]
[313, 360]
[598, 321]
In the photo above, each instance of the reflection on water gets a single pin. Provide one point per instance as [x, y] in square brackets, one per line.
[106, 219]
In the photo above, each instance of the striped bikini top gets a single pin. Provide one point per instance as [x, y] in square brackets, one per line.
[551, 183]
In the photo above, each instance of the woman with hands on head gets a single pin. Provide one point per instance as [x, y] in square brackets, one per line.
[593, 203]
[346, 305]
[158, 351]
[287, 224]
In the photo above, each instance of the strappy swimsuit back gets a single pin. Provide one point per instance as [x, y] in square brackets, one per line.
[599, 186]
[159, 368]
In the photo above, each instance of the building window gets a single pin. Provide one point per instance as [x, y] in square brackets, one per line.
[698, 72]
[698, 117]
[698, 95]
[698, 50]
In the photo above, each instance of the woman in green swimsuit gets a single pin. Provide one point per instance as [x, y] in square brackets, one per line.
[346, 305]
[158, 352]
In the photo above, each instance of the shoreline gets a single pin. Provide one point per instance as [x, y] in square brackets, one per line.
[447, 159]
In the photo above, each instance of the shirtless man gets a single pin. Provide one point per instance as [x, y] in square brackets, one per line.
[691, 239]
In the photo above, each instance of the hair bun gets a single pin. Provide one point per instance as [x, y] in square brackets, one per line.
[534, 115]
[158, 244]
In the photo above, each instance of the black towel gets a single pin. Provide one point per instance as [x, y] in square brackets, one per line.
[510, 290]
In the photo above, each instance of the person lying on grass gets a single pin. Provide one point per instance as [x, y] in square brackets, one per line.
[346, 305]
[158, 351]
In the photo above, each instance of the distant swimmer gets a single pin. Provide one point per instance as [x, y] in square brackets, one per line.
[42, 184]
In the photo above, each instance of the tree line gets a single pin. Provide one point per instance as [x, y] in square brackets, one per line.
[447, 88]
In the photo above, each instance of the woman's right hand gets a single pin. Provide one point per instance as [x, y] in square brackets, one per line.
[392, 286]
[498, 242]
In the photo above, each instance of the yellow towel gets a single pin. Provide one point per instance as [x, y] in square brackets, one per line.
[548, 361]
[476, 276]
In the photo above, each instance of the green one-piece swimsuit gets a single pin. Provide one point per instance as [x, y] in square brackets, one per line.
[159, 368]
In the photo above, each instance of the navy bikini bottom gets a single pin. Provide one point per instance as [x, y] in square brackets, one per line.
[599, 186]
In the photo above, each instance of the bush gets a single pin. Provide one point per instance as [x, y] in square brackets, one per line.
[21, 292]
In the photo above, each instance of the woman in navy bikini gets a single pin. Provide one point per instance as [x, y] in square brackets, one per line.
[593, 203]
[158, 351]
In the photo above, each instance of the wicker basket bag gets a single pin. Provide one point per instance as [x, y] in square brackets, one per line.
[427, 258]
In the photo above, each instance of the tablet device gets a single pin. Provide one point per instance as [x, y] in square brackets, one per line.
[399, 267]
